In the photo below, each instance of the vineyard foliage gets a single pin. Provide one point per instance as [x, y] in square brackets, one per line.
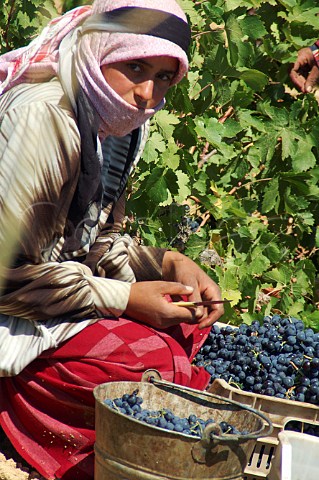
[235, 152]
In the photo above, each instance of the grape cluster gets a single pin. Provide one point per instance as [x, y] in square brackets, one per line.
[130, 404]
[185, 227]
[278, 357]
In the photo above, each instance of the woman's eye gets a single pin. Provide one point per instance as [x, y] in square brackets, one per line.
[135, 67]
[166, 77]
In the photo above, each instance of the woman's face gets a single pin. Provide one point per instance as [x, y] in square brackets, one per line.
[142, 83]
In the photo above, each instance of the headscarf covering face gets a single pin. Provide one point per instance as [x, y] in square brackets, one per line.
[65, 49]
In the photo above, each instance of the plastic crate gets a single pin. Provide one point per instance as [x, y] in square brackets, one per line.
[296, 458]
[280, 412]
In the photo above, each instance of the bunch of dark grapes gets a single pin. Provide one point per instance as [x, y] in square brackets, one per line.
[130, 404]
[184, 229]
[278, 357]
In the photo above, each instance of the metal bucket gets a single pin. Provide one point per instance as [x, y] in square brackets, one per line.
[127, 449]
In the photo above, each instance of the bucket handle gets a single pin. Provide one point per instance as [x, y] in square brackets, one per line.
[154, 377]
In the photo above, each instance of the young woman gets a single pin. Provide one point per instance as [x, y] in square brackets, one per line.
[82, 304]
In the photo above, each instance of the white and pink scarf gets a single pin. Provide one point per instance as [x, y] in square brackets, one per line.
[79, 42]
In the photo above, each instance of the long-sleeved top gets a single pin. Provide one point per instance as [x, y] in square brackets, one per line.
[49, 295]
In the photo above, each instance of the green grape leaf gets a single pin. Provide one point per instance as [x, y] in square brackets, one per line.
[184, 190]
[166, 122]
[253, 27]
[156, 186]
[303, 159]
[154, 145]
[271, 196]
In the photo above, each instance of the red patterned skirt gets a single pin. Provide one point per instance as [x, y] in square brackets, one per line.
[47, 411]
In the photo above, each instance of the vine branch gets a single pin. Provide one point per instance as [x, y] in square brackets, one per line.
[6, 31]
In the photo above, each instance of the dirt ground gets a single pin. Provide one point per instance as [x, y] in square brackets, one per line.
[12, 466]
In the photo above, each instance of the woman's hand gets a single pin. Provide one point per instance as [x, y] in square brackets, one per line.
[179, 268]
[149, 304]
[305, 73]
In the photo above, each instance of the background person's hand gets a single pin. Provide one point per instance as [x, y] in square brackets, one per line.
[305, 72]
[179, 268]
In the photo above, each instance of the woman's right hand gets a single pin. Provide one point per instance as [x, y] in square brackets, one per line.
[148, 303]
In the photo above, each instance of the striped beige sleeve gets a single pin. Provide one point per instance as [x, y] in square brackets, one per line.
[146, 262]
[119, 257]
[37, 181]
[113, 261]
[65, 289]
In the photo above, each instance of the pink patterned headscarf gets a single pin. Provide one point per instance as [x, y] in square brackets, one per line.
[68, 45]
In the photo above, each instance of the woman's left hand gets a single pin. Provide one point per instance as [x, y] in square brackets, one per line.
[179, 268]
